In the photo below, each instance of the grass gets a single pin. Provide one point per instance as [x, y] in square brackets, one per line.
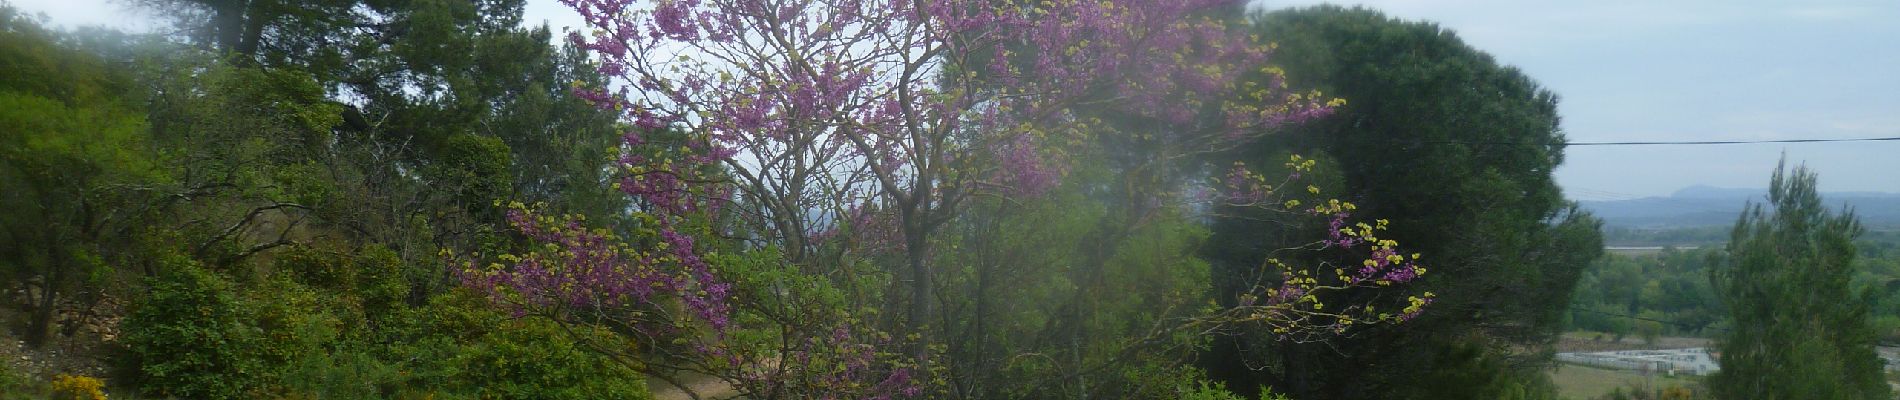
[1581, 382]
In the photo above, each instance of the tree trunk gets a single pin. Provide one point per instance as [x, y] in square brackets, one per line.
[227, 23]
[980, 334]
[253, 34]
[42, 318]
[917, 249]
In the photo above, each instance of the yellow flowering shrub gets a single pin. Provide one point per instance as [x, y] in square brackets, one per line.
[78, 387]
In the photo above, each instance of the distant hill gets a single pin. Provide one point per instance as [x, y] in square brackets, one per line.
[1703, 206]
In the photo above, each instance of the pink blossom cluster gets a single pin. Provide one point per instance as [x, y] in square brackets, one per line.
[1028, 174]
[893, 84]
[1294, 306]
[1242, 187]
[587, 269]
[1384, 264]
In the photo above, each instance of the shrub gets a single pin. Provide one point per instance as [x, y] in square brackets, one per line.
[316, 267]
[382, 282]
[374, 275]
[347, 373]
[1207, 390]
[458, 347]
[14, 386]
[292, 323]
[189, 337]
[78, 387]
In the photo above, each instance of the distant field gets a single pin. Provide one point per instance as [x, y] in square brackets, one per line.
[1580, 382]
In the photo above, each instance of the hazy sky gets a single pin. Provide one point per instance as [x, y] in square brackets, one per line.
[1698, 70]
[1627, 71]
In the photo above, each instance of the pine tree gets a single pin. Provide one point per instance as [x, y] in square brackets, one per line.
[1799, 332]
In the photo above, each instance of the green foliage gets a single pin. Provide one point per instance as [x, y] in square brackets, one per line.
[73, 154]
[37, 64]
[458, 346]
[345, 371]
[1680, 237]
[1065, 295]
[1467, 368]
[1877, 271]
[1504, 248]
[1207, 390]
[191, 337]
[780, 296]
[251, 150]
[234, 130]
[1628, 294]
[13, 385]
[476, 170]
[1799, 332]
[196, 337]
[293, 322]
[291, 235]
[52, 140]
[372, 281]
[518, 361]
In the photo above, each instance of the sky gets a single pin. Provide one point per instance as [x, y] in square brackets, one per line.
[1684, 70]
[1626, 70]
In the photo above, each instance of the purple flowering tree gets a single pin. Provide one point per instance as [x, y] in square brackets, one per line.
[831, 129]
[817, 108]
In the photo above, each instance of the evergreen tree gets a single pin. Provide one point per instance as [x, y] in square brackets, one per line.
[1800, 332]
[1489, 220]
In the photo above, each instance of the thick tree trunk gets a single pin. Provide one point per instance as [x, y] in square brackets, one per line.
[253, 34]
[979, 353]
[917, 250]
[42, 318]
[227, 23]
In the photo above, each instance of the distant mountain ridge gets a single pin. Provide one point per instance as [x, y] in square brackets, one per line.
[1711, 192]
[1701, 206]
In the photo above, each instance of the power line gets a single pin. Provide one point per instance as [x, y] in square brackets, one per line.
[1660, 143]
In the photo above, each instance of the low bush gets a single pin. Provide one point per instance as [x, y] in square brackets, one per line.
[78, 387]
[189, 338]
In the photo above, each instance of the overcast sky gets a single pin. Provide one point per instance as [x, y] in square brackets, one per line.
[1627, 71]
[1699, 70]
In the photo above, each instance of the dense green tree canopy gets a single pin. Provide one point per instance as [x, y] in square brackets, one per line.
[278, 204]
[1457, 151]
[75, 164]
[1799, 331]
